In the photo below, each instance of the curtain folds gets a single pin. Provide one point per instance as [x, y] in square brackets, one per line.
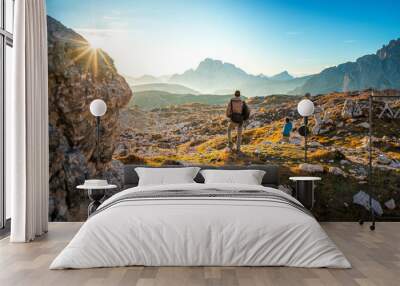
[27, 117]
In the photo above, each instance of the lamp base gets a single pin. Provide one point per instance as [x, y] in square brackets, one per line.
[95, 196]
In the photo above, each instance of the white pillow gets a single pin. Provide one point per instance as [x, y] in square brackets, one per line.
[166, 176]
[248, 177]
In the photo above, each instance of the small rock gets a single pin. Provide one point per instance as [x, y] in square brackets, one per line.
[362, 198]
[357, 111]
[295, 141]
[395, 164]
[384, 160]
[364, 125]
[337, 171]
[311, 168]
[390, 204]
[316, 129]
[121, 150]
[384, 168]
[314, 144]
[351, 109]
[344, 162]
[360, 178]
[323, 131]
[361, 171]
[347, 110]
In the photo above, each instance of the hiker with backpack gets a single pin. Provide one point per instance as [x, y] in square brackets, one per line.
[238, 112]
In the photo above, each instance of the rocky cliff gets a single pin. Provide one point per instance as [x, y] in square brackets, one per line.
[79, 74]
[379, 71]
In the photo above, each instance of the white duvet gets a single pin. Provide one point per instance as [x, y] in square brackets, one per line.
[192, 231]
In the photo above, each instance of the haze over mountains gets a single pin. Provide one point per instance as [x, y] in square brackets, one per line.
[167, 87]
[217, 77]
[379, 71]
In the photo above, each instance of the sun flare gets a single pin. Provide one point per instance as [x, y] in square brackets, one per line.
[95, 43]
[92, 55]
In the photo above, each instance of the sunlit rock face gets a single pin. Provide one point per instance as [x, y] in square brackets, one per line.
[79, 74]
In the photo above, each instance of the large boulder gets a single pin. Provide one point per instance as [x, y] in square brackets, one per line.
[311, 168]
[79, 74]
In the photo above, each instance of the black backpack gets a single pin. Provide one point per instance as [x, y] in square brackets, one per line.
[240, 117]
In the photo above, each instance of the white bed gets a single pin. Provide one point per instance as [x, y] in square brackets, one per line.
[202, 231]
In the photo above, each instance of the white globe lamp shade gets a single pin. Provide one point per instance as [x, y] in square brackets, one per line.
[305, 107]
[98, 107]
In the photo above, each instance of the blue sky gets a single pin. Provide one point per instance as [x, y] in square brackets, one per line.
[169, 36]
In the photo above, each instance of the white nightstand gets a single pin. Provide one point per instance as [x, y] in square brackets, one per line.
[305, 190]
[96, 194]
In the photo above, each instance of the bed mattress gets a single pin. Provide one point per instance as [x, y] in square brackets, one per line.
[201, 225]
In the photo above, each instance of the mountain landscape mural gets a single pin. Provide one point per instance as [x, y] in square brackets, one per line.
[163, 113]
[379, 71]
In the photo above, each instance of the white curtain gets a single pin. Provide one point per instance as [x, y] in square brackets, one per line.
[27, 124]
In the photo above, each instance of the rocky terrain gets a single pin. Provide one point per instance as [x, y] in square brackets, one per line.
[196, 133]
[79, 74]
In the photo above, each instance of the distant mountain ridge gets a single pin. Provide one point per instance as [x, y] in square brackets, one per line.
[211, 75]
[282, 76]
[215, 76]
[167, 87]
[145, 79]
[379, 71]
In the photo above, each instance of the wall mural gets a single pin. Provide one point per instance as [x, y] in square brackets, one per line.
[177, 115]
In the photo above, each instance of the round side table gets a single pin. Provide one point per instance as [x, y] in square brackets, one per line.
[305, 190]
[95, 194]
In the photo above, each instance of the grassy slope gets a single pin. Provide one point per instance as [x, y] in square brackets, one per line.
[156, 99]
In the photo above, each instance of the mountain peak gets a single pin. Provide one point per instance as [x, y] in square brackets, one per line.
[214, 67]
[209, 63]
[282, 76]
[390, 50]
